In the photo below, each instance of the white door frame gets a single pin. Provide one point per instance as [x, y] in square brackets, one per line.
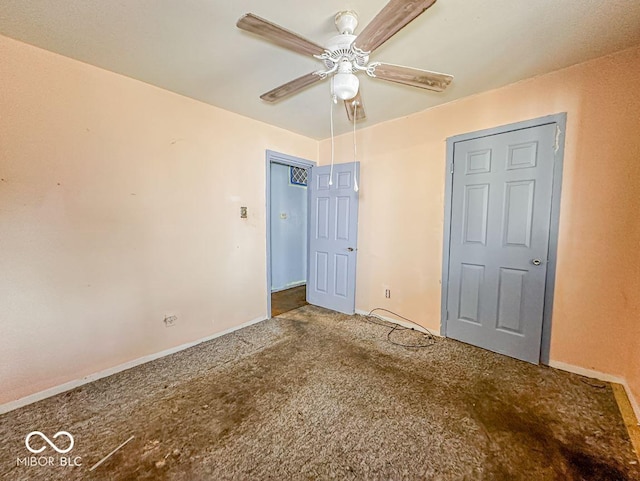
[273, 157]
[561, 121]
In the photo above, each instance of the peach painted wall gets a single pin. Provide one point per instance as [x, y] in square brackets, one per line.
[119, 204]
[597, 298]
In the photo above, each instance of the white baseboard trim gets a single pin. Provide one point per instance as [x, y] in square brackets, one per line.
[563, 366]
[402, 323]
[67, 386]
[602, 377]
[288, 286]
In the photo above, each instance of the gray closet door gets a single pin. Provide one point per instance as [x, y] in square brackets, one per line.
[500, 215]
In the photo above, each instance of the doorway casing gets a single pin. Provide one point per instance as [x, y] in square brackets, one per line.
[560, 120]
[273, 157]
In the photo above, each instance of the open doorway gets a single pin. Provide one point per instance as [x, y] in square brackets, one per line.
[287, 227]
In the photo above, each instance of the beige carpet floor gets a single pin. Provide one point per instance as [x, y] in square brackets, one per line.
[319, 395]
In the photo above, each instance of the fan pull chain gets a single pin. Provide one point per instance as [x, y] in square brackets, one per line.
[333, 101]
[355, 166]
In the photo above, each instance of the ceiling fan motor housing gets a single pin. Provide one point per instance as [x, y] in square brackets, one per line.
[340, 48]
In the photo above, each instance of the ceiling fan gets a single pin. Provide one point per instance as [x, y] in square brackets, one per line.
[347, 54]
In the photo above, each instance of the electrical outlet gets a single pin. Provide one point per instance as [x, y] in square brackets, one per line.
[243, 212]
[170, 321]
[387, 293]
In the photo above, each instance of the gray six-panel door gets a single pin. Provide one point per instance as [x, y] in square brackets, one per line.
[333, 237]
[500, 218]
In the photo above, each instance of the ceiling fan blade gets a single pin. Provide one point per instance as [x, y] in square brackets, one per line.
[291, 88]
[390, 20]
[415, 77]
[278, 35]
[351, 104]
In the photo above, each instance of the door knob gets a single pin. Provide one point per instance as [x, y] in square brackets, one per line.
[536, 262]
[350, 249]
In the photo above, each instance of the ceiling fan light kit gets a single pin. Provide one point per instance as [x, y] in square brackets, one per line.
[344, 84]
[347, 54]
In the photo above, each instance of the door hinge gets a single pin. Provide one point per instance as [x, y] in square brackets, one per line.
[451, 168]
[556, 145]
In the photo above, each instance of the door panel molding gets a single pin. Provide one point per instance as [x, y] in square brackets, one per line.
[517, 160]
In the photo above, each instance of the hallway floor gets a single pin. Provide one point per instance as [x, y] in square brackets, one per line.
[288, 300]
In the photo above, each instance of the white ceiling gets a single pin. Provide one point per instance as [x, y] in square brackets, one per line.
[192, 47]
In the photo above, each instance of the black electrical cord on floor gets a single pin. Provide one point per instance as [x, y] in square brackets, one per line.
[398, 327]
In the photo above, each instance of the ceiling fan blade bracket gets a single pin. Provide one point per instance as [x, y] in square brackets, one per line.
[327, 58]
[323, 56]
[323, 74]
[360, 57]
[371, 69]
[359, 68]
[358, 52]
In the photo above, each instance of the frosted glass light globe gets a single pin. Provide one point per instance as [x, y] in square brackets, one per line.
[345, 85]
